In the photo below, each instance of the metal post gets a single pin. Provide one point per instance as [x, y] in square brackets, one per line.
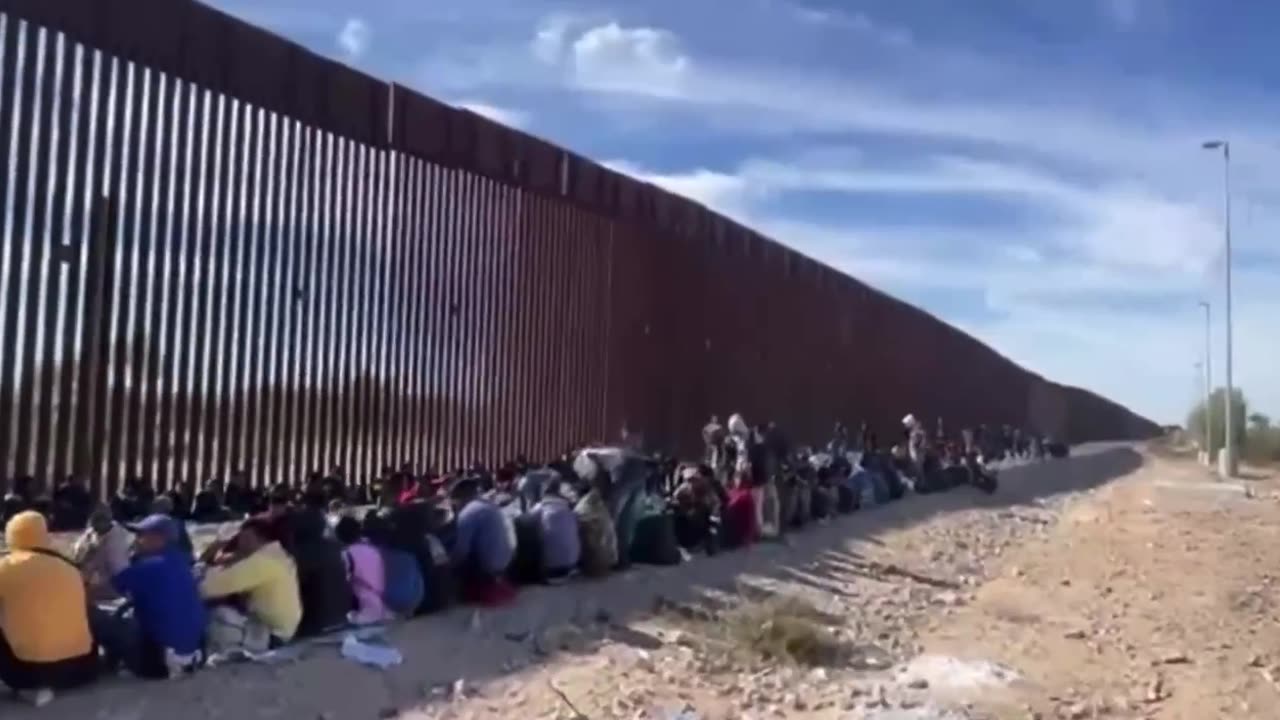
[1208, 384]
[1228, 458]
[1199, 393]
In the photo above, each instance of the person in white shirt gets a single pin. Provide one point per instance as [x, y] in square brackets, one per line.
[102, 552]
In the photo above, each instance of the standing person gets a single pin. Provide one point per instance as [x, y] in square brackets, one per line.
[776, 451]
[259, 606]
[839, 443]
[713, 437]
[763, 493]
[739, 517]
[102, 552]
[45, 642]
[917, 442]
[163, 635]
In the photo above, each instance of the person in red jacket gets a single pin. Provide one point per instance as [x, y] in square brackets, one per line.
[739, 520]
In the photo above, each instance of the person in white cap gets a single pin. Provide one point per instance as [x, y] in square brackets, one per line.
[916, 442]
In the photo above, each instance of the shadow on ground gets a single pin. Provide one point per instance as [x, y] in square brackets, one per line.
[483, 645]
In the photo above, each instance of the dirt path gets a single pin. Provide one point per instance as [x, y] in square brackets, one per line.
[1156, 599]
[1055, 596]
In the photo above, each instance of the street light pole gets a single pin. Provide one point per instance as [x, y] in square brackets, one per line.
[1199, 392]
[1208, 384]
[1227, 459]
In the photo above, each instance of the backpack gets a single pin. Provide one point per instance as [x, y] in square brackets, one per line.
[405, 587]
[655, 539]
[526, 567]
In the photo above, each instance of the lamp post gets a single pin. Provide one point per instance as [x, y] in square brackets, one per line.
[1198, 366]
[1208, 384]
[1227, 458]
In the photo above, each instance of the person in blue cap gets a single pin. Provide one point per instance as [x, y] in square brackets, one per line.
[161, 634]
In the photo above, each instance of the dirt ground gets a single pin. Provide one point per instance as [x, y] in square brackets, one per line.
[1116, 584]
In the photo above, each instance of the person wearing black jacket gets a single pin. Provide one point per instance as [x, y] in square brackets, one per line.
[412, 527]
[72, 504]
[322, 575]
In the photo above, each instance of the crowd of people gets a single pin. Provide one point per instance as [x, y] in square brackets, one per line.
[135, 593]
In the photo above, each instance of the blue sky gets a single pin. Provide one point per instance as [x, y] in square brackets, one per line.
[1028, 170]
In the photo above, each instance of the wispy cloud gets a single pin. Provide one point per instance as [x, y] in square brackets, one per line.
[857, 22]
[511, 117]
[354, 38]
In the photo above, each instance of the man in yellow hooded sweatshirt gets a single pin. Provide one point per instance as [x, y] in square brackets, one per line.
[45, 643]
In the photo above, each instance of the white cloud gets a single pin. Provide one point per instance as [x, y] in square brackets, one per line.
[548, 42]
[724, 192]
[857, 22]
[640, 60]
[510, 117]
[354, 37]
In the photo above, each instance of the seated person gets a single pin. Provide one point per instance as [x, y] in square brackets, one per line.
[332, 487]
[182, 497]
[163, 634]
[626, 474]
[208, 507]
[413, 528]
[483, 544]
[739, 520]
[102, 552]
[258, 604]
[45, 643]
[823, 502]
[133, 500]
[561, 546]
[37, 495]
[695, 508]
[798, 497]
[365, 571]
[240, 497]
[72, 504]
[388, 487]
[279, 515]
[311, 495]
[598, 538]
[13, 504]
[403, 587]
[323, 584]
[163, 505]
[532, 485]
